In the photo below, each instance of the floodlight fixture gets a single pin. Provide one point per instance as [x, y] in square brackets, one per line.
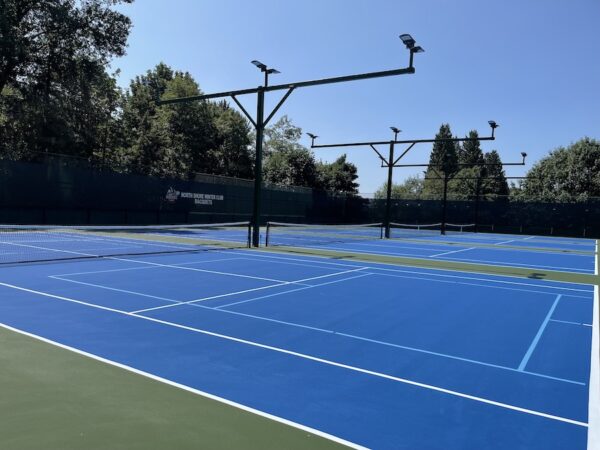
[260, 65]
[494, 125]
[312, 138]
[408, 40]
[524, 155]
[263, 68]
[395, 130]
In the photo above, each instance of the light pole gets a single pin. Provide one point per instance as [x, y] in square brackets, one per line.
[263, 68]
[261, 122]
[390, 162]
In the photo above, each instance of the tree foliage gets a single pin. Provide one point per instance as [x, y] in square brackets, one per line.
[443, 160]
[469, 153]
[55, 93]
[412, 187]
[288, 162]
[339, 176]
[567, 174]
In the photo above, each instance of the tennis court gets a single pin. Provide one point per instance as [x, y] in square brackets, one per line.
[365, 354]
[537, 252]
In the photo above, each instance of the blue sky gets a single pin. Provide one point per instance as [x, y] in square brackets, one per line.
[531, 65]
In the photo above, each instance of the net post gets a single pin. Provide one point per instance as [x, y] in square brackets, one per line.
[249, 240]
[267, 234]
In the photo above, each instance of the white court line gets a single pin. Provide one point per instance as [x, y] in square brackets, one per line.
[141, 268]
[534, 291]
[310, 358]
[56, 277]
[594, 396]
[189, 389]
[229, 294]
[453, 251]
[290, 291]
[114, 239]
[351, 336]
[508, 242]
[537, 337]
[194, 269]
[480, 262]
[424, 271]
[570, 322]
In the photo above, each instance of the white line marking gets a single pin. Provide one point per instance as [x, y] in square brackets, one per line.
[594, 396]
[311, 358]
[229, 294]
[569, 322]
[189, 389]
[125, 291]
[195, 269]
[289, 291]
[424, 271]
[387, 344]
[508, 242]
[533, 291]
[453, 251]
[537, 337]
[219, 308]
[480, 262]
[331, 331]
[140, 268]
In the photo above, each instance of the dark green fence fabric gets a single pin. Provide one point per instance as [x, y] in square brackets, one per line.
[57, 192]
[63, 190]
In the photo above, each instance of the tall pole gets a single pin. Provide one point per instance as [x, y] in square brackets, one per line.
[477, 192]
[443, 227]
[388, 198]
[261, 122]
[260, 128]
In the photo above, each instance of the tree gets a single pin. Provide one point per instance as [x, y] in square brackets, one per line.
[463, 185]
[287, 161]
[56, 93]
[494, 181]
[40, 38]
[470, 154]
[234, 156]
[412, 187]
[339, 176]
[443, 161]
[282, 135]
[291, 167]
[567, 174]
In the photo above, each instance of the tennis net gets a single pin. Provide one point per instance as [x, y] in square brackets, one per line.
[453, 228]
[408, 231]
[304, 235]
[38, 243]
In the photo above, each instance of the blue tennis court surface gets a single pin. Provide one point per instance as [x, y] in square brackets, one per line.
[379, 355]
[536, 252]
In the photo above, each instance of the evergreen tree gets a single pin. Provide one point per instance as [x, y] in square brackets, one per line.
[494, 182]
[443, 161]
[470, 154]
